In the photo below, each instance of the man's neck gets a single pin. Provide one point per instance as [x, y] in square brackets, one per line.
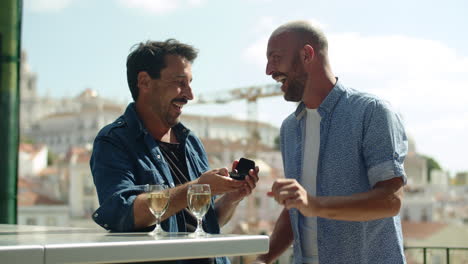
[158, 129]
[316, 90]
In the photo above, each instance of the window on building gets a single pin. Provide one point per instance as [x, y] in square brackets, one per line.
[88, 207]
[81, 125]
[31, 221]
[258, 202]
[406, 215]
[51, 221]
[424, 217]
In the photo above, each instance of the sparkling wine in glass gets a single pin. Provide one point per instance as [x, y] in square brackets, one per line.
[158, 201]
[198, 199]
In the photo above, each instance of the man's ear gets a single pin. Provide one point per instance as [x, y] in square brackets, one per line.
[307, 54]
[143, 80]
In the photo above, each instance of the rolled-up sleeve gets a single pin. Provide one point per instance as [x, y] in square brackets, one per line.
[115, 185]
[385, 144]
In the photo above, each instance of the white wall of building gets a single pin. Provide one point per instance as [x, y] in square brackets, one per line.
[31, 163]
[82, 194]
[44, 215]
[229, 129]
[439, 177]
[64, 130]
[418, 209]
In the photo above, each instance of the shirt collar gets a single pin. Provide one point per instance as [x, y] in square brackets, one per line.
[327, 105]
[133, 120]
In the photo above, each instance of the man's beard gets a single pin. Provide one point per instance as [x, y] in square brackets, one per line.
[165, 116]
[295, 90]
[172, 120]
[296, 84]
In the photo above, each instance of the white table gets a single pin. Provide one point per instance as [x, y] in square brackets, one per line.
[45, 245]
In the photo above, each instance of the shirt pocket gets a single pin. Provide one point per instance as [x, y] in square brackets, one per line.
[153, 177]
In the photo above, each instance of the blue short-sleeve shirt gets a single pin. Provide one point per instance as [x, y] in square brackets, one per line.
[362, 142]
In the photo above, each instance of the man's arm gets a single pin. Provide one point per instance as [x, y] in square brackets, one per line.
[225, 208]
[226, 205]
[219, 184]
[280, 240]
[384, 200]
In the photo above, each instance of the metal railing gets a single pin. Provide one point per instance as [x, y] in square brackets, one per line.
[414, 255]
[436, 255]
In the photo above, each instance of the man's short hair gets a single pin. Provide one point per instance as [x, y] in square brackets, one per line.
[150, 57]
[306, 32]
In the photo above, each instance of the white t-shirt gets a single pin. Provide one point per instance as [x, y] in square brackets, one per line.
[308, 181]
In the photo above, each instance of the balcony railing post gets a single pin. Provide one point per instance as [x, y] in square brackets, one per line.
[447, 253]
[424, 255]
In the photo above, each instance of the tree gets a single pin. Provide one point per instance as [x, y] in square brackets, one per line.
[277, 142]
[432, 164]
[27, 140]
[51, 158]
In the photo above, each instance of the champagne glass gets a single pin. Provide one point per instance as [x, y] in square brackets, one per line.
[198, 199]
[158, 201]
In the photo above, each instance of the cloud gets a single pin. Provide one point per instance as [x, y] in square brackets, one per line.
[196, 2]
[160, 6]
[46, 5]
[259, 1]
[424, 79]
[401, 55]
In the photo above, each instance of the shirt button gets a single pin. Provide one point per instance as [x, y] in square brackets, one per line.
[158, 156]
[96, 215]
[105, 225]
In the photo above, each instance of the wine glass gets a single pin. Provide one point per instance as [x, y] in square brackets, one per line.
[158, 201]
[198, 199]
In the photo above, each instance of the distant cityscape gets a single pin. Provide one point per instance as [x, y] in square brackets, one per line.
[55, 185]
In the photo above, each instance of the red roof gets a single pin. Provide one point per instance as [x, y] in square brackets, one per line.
[31, 149]
[420, 230]
[82, 155]
[27, 196]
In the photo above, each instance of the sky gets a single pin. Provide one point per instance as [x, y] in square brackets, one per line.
[412, 53]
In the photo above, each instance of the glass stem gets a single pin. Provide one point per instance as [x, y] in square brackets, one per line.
[199, 226]
[158, 222]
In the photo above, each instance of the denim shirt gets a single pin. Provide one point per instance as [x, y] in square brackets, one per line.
[125, 158]
[362, 142]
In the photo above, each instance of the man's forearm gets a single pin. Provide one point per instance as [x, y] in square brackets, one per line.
[280, 240]
[380, 202]
[177, 201]
[224, 209]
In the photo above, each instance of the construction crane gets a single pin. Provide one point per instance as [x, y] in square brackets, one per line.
[251, 94]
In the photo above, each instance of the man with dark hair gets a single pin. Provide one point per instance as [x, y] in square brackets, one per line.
[343, 153]
[148, 145]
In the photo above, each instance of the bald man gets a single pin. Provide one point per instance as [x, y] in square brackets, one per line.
[343, 153]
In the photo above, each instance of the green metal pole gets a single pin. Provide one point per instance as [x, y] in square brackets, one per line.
[10, 50]
[447, 254]
[424, 255]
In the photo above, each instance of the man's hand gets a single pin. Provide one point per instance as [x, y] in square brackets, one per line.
[219, 181]
[291, 194]
[248, 184]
